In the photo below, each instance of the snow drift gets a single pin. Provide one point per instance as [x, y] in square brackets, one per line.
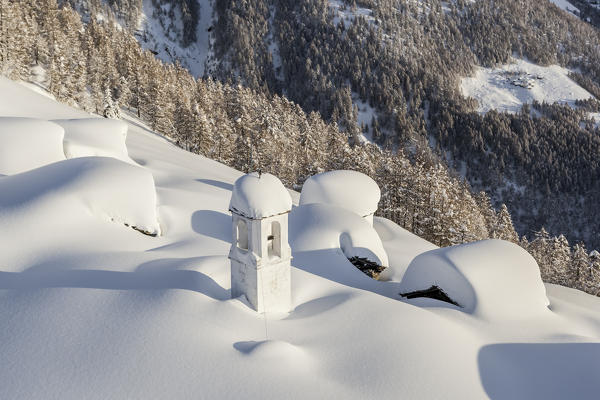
[489, 278]
[324, 227]
[102, 137]
[27, 143]
[105, 187]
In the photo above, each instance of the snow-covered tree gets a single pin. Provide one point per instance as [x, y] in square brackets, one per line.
[503, 228]
[561, 261]
[580, 262]
[110, 107]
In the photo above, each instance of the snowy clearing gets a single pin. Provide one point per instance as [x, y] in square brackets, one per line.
[565, 5]
[346, 14]
[508, 87]
[93, 309]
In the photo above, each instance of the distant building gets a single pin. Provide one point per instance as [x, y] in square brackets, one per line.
[260, 252]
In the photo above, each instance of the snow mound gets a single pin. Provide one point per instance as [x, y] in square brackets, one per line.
[508, 87]
[351, 190]
[269, 349]
[106, 187]
[27, 143]
[258, 196]
[95, 137]
[315, 227]
[489, 278]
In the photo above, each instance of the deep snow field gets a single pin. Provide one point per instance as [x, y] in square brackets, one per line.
[94, 309]
[501, 88]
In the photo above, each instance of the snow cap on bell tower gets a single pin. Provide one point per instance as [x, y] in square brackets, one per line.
[260, 253]
[257, 196]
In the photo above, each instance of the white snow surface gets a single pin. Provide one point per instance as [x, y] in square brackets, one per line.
[105, 187]
[85, 137]
[16, 151]
[346, 14]
[92, 309]
[399, 256]
[325, 227]
[351, 190]
[498, 88]
[258, 196]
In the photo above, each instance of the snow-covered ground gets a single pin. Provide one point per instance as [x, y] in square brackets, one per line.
[346, 14]
[508, 87]
[93, 309]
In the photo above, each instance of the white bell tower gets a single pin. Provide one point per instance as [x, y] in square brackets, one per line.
[260, 253]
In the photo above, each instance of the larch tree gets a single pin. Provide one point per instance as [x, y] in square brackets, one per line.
[580, 262]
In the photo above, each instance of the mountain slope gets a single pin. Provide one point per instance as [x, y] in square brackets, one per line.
[94, 309]
[389, 72]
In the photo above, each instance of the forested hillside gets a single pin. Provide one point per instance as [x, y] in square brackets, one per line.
[100, 67]
[391, 70]
[405, 59]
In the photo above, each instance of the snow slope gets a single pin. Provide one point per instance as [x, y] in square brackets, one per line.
[93, 309]
[163, 36]
[499, 88]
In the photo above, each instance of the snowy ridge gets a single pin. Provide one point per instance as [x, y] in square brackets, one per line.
[92, 309]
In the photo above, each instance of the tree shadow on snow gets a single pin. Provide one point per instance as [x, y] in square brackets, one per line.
[540, 370]
[161, 274]
[213, 224]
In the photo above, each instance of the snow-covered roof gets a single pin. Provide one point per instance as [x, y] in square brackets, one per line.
[258, 196]
[489, 278]
[351, 190]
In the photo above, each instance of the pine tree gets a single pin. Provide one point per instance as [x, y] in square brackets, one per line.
[503, 228]
[580, 262]
[540, 249]
[111, 108]
[593, 283]
[560, 261]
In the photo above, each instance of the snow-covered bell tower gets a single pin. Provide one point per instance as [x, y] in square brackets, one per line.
[260, 253]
